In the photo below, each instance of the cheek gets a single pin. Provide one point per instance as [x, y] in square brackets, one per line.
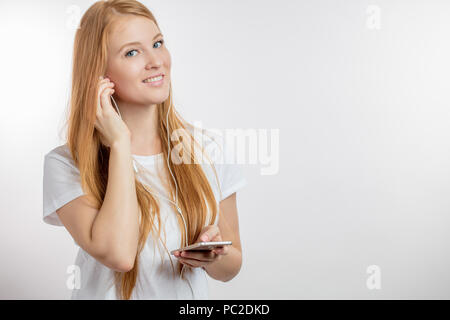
[125, 89]
[126, 71]
[167, 67]
[127, 81]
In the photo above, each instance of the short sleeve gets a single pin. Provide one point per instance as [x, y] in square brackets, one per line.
[230, 173]
[61, 184]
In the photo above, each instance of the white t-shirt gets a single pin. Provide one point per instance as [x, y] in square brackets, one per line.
[156, 280]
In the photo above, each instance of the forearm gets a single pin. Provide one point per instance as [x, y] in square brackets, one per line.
[116, 226]
[227, 267]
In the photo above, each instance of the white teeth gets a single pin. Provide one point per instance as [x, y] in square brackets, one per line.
[153, 79]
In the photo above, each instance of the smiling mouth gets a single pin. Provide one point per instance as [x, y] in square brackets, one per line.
[154, 79]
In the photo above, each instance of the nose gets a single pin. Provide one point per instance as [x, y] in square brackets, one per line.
[153, 62]
[149, 66]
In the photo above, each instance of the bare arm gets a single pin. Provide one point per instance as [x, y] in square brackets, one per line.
[229, 265]
[109, 234]
[116, 226]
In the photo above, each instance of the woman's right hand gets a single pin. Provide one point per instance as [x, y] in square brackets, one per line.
[109, 123]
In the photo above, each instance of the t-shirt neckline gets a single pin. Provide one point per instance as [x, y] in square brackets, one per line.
[148, 159]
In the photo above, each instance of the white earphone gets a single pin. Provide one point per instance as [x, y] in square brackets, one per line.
[176, 186]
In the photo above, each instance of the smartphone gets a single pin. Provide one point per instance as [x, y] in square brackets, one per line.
[199, 246]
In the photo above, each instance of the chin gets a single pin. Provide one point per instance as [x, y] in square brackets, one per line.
[158, 98]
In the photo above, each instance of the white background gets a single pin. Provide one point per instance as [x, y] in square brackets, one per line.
[364, 153]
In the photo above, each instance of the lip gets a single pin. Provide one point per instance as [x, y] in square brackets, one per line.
[155, 75]
[155, 83]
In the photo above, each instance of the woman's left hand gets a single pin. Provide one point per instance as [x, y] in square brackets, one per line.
[203, 258]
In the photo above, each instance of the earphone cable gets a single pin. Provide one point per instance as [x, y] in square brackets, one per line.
[176, 185]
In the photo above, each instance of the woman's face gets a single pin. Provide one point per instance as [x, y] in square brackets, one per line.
[129, 64]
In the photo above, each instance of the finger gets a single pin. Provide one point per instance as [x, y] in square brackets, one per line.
[222, 250]
[105, 81]
[101, 89]
[102, 78]
[210, 233]
[105, 85]
[217, 237]
[188, 263]
[178, 253]
[106, 92]
[199, 256]
[105, 97]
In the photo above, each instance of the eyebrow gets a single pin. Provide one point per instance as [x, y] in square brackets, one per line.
[137, 42]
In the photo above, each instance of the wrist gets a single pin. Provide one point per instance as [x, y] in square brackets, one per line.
[121, 145]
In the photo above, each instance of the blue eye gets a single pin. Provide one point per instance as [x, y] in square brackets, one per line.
[129, 52]
[126, 55]
[162, 41]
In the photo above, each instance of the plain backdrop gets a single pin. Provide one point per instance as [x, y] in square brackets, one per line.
[359, 92]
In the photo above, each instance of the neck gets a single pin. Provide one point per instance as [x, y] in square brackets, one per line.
[143, 123]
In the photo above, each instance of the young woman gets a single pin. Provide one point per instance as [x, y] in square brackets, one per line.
[117, 184]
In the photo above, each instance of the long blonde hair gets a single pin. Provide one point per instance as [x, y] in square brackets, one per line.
[195, 195]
